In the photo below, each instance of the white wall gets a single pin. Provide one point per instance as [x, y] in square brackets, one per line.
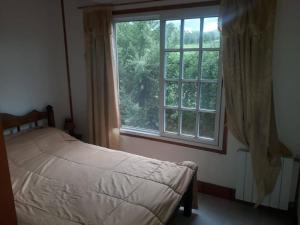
[287, 76]
[287, 73]
[32, 66]
[213, 167]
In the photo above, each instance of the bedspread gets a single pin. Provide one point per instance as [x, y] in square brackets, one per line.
[59, 180]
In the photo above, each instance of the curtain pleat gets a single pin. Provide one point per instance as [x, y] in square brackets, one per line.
[103, 107]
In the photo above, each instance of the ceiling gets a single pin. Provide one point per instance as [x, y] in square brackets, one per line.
[115, 1]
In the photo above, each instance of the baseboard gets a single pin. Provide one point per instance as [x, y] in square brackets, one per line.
[229, 193]
[216, 190]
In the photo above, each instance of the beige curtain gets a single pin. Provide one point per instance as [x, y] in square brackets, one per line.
[103, 109]
[247, 35]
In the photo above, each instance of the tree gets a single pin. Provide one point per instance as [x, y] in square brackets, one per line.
[138, 54]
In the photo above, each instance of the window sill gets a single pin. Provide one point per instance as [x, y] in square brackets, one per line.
[173, 141]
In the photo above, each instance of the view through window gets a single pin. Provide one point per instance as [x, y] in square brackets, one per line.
[169, 79]
[138, 47]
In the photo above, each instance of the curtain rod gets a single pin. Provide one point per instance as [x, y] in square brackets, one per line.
[158, 8]
[119, 4]
[153, 8]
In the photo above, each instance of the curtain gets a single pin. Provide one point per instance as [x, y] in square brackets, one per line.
[247, 46]
[103, 107]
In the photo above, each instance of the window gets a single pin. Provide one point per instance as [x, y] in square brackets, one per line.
[169, 79]
[138, 47]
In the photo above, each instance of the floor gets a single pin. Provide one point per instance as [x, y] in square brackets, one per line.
[217, 211]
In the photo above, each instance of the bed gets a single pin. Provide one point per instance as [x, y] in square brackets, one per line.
[57, 179]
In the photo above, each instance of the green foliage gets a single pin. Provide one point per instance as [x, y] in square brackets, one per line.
[211, 39]
[171, 120]
[210, 65]
[172, 96]
[138, 57]
[188, 122]
[189, 94]
[208, 95]
[172, 65]
[206, 124]
[191, 39]
[190, 64]
[173, 34]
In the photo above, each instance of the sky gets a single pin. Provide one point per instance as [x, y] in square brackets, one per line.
[190, 25]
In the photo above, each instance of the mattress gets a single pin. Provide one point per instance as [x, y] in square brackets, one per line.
[59, 180]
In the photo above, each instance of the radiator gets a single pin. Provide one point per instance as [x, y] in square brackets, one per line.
[283, 191]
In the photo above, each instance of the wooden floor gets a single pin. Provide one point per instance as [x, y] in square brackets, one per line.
[216, 211]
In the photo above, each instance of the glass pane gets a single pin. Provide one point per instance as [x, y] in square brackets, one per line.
[188, 122]
[211, 34]
[210, 65]
[190, 65]
[191, 33]
[171, 94]
[173, 33]
[172, 62]
[208, 95]
[189, 94]
[171, 120]
[138, 62]
[207, 125]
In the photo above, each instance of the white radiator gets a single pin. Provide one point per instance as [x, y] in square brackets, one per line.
[285, 187]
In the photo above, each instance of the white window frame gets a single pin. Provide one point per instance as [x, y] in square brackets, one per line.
[203, 12]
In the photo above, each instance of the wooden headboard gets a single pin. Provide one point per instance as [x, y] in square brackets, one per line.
[11, 121]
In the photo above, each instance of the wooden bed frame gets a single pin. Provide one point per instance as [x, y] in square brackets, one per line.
[11, 121]
[7, 207]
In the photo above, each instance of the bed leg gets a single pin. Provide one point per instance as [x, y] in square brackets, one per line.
[188, 201]
[50, 113]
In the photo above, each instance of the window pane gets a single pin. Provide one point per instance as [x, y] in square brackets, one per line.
[171, 120]
[211, 34]
[190, 65]
[138, 63]
[191, 33]
[207, 125]
[172, 62]
[189, 94]
[173, 33]
[171, 97]
[208, 95]
[188, 122]
[210, 65]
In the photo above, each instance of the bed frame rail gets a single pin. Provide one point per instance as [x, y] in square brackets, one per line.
[7, 121]
[7, 205]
